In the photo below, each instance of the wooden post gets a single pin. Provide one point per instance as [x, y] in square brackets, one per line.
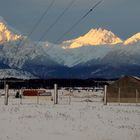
[136, 96]
[20, 95]
[69, 99]
[37, 97]
[105, 95]
[119, 96]
[6, 94]
[55, 94]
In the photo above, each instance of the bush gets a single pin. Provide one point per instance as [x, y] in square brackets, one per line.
[17, 95]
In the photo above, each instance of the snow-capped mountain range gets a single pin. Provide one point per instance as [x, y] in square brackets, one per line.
[97, 54]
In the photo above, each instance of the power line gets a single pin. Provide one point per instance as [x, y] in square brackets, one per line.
[78, 21]
[38, 22]
[57, 19]
[42, 16]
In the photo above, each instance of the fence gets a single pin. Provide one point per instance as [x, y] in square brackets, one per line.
[65, 97]
[13, 96]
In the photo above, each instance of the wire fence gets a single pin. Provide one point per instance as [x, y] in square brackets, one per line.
[65, 97]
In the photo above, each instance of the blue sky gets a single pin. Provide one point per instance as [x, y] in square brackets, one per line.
[120, 16]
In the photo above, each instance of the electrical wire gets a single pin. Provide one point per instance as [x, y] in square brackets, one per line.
[38, 22]
[57, 19]
[78, 21]
[40, 19]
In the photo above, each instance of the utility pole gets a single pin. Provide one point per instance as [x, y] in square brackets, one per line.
[21, 95]
[38, 94]
[55, 98]
[6, 94]
[105, 95]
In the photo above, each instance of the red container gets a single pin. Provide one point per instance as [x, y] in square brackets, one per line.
[33, 92]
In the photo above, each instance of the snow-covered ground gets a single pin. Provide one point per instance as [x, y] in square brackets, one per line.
[79, 120]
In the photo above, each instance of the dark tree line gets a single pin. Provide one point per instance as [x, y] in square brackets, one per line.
[49, 83]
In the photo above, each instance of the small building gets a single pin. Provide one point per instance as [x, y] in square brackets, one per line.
[124, 90]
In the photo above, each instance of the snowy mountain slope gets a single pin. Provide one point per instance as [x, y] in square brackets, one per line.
[16, 55]
[132, 39]
[6, 33]
[118, 61]
[124, 55]
[10, 28]
[73, 57]
[13, 73]
[93, 38]
[53, 61]
[7, 72]
[29, 57]
[23, 54]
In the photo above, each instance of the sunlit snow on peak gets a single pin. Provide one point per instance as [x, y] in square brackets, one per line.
[92, 38]
[5, 34]
[132, 39]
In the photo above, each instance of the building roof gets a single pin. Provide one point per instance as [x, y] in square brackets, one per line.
[126, 80]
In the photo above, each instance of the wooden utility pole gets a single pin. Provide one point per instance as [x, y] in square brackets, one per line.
[105, 95]
[69, 99]
[38, 97]
[55, 98]
[6, 94]
[21, 95]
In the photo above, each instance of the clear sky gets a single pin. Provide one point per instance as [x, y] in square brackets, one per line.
[120, 16]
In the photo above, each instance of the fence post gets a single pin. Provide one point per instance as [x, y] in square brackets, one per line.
[20, 95]
[69, 99]
[37, 97]
[136, 97]
[6, 94]
[105, 95]
[119, 96]
[55, 94]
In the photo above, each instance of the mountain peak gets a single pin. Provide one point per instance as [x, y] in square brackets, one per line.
[99, 31]
[132, 39]
[6, 34]
[94, 37]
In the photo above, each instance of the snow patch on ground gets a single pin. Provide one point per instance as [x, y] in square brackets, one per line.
[77, 121]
